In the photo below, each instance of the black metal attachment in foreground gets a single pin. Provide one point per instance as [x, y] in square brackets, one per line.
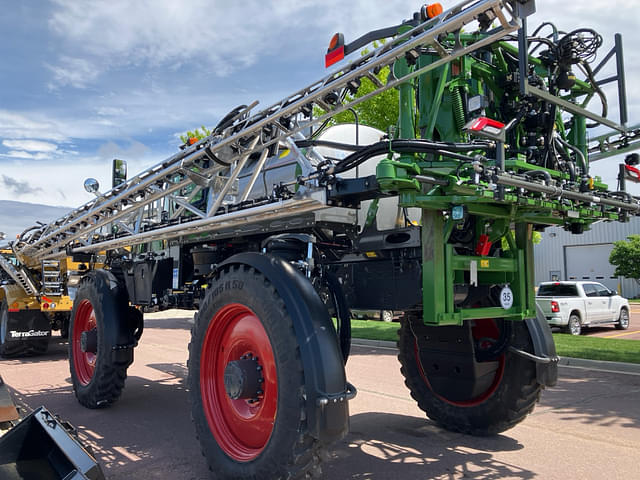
[42, 447]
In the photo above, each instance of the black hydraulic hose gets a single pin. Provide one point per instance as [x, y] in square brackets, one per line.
[408, 146]
[327, 143]
[576, 150]
[603, 98]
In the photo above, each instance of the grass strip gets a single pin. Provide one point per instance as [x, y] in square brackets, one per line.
[592, 348]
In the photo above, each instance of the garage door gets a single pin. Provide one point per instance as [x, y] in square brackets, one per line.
[590, 262]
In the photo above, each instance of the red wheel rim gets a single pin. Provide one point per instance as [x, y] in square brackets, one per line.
[483, 329]
[84, 363]
[241, 427]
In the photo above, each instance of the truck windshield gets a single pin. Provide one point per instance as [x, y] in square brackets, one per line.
[557, 290]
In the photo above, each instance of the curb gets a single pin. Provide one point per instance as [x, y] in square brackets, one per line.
[596, 365]
[601, 365]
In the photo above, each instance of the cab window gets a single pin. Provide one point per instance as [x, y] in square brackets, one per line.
[590, 290]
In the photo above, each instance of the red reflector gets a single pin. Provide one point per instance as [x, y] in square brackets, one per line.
[632, 173]
[334, 56]
[45, 305]
[555, 308]
[483, 122]
[484, 245]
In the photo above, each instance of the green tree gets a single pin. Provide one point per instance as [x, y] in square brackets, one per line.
[198, 133]
[380, 111]
[625, 256]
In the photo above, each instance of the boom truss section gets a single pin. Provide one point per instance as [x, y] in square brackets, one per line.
[152, 204]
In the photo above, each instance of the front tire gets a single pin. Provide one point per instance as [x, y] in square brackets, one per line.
[100, 304]
[246, 382]
[623, 319]
[511, 395]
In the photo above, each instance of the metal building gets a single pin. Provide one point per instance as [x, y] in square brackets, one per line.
[564, 256]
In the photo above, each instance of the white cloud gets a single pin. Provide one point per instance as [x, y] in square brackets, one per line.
[27, 155]
[30, 145]
[52, 183]
[106, 111]
[29, 125]
[221, 36]
[76, 72]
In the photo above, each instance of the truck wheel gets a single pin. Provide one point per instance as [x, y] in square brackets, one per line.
[510, 397]
[386, 316]
[99, 304]
[28, 346]
[623, 319]
[246, 382]
[574, 327]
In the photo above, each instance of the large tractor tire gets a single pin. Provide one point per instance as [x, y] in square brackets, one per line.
[100, 348]
[28, 345]
[510, 392]
[246, 382]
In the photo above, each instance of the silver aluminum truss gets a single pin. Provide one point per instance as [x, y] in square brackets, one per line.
[19, 276]
[614, 143]
[132, 213]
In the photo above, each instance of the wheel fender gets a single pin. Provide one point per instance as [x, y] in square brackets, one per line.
[118, 325]
[326, 387]
[545, 347]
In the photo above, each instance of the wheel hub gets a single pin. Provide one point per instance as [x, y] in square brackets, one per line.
[89, 341]
[243, 378]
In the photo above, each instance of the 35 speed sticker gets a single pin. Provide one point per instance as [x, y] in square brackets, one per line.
[506, 298]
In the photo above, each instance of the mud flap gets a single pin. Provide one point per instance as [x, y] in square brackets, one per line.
[327, 391]
[27, 325]
[544, 347]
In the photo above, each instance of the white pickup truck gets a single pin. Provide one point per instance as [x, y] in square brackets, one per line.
[574, 305]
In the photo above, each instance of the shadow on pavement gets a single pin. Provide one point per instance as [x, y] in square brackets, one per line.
[388, 446]
[595, 398]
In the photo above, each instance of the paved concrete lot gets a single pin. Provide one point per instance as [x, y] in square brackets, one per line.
[588, 427]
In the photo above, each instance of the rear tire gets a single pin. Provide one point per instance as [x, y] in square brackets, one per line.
[623, 319]
[99, 305]
[574, 327]
[386, 316]
[507, 402]
[261, 434]
[7, 349]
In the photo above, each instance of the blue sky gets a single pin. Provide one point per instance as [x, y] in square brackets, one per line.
[82, 82]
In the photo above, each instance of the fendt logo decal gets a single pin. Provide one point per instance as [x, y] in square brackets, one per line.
[30, 333]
